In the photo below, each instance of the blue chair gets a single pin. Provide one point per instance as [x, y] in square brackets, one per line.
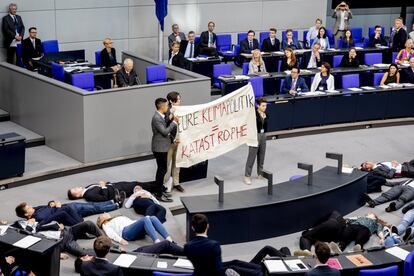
[257, 83]
[294, 177]
[330, 36]
[197, 40]
[156, 273]
[19, 60]
[156, 73]
[295, 35]
[84, 81]
[377, 78]
[394, 56]
[245, 68]
[388, 271]
[305, 33]
[240, 37]
[357, 34]
[371, 31]
[350, 81]
[219, 70]
[337, 60]
[50, 46]
[223, 43]
[282, 82]
[373, 58]
[263, 36]
[58, 72]
[98, 58]
[409, 265]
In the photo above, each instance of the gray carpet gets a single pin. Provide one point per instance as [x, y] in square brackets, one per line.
[282, 156]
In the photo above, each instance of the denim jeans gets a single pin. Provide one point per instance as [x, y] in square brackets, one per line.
[147, 225]
[93, 208]
[392, 240]
[407, 221]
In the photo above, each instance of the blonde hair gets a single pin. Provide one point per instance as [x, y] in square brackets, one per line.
[107, 41]
[175, 43]
[257, 53]
[100, 221]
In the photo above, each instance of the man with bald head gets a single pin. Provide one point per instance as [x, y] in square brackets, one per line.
[127, 75]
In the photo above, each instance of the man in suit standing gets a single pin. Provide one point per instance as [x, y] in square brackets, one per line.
[99, 265]
[127, 75]
[160, 144]
[176, 35]
[294, 83]
[342, 14]
[31, 48]
[13, 32]
[408, 73]
[323, 253]
[208, 41]
[249, 44]
[188, 47]
[398, 35]
[271, 44]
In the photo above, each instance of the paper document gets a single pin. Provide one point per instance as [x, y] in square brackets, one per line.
[358, 48]
[275, 266]
[3, 229]
[408, 84]
[347, 170]
[183, 263]
[296, 265]
[332, 91]
[125, 260]
[381, 65]
[398, 252]
[355, 89]
[385, 86]
[367, 87]
[241, 77]
[162, 265]
[359, 260]
[27, 241]
[316, 93]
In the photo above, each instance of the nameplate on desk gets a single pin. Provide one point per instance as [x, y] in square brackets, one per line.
[125, 260]
[183, 263]
[359, 260]
[398, 252]
[27, 241]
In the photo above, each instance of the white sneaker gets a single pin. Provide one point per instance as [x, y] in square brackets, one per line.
[248, 180]
[260, 177]
[168, 184]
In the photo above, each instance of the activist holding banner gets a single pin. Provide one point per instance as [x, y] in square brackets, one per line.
[209, 130]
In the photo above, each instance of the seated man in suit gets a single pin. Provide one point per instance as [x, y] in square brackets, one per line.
[290, 41]
[249, 44]
[188, 47]
[271, 44]
[208, 41]
[127, 76]
[294, 83]
[176, 58]
[99, 265]
[377, 39]
[407, 74]
[323, 253]
[176, 35]
[313, 58]
[31, 48]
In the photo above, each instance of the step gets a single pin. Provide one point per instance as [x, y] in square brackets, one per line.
[32, 139]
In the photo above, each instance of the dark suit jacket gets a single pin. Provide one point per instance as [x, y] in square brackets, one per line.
[9, 30]
[268, 47]
[99, 267]
[161, 133]
[178, 60]
[374, 41]
[124, 80]
[95, 193]
[306, 58]
[244, 46]
[384, 171]
[285, 66]
[204, 39]
[300, 83]
[106, 61]
[205, 254]
[346, 63]
[294, 46]
[183, 47]
[323, 271]
[29, 52]
[399, 39]
[407, 75]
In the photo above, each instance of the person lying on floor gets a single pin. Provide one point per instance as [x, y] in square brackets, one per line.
[392, 169]
[145, 203]
[402, 193]
[116, 191]
[68, 234]
[67, 214]
[404, 231]
[123, 229]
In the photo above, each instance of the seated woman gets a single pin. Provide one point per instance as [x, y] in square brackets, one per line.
[176, 58]
[108, 56]
[290, 41]
[347, 41]
[289, 60]
[256, 65]
[350, 60]
[322, 39]
[391, 76]
[405, 54]
[144, 203]
[123, 229]
[323, 80]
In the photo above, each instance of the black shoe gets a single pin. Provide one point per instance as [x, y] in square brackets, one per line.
[179, 188]
[371, 203]
[122, 197]
[407, 234]
[405, 209]
[163, 198]
[391, 207]
[394, 229]
[167, 195]
[117, 196]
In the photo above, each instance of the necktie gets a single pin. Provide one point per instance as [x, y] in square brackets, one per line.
[16, 25]
[293, 85]
[191, 49]
[250, 45]
[210, 39]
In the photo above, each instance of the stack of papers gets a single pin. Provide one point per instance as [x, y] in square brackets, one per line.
[27, 241]
[395, 85]
[398, 252]
[355, 89]
[125, 260]
[385, 86]
[241, 77]
[359, 48]
[367, 87]
[275, 266]
[381, 65]
[316, 93]
[183, 263]
[332, 91]
[408, 84]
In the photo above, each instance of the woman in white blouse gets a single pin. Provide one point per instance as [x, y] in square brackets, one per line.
[323, 80]
[256, 65]
[123, 229]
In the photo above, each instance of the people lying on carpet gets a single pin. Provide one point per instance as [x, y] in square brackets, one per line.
[404, 231]
[145, 203]
[68, 234]
[402, 193]
[123, 229]
[391, 169]
[67, 214]
[117, 191]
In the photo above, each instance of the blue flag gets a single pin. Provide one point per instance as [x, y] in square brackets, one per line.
[161, 11]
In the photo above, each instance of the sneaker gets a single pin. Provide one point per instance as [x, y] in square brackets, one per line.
[168, 184]
[122, 197]
[371, 203]
[357, 248]
[391, 207]
[179, 188]
[386, 231]
[407, 234]
[305, 253]
[248, 180]
[335, 248]
[260, 177]
[394, 229]
[231, 272]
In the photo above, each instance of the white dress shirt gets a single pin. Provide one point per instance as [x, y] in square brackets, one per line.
[113, 228]
[342, 20]
[188, 53]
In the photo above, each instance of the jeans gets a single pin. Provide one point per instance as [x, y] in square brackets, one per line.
[402, 195]
[147, 207]
[407, 220]
[392, 240]
[164, 247]
[146, 225]
[93, 208]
